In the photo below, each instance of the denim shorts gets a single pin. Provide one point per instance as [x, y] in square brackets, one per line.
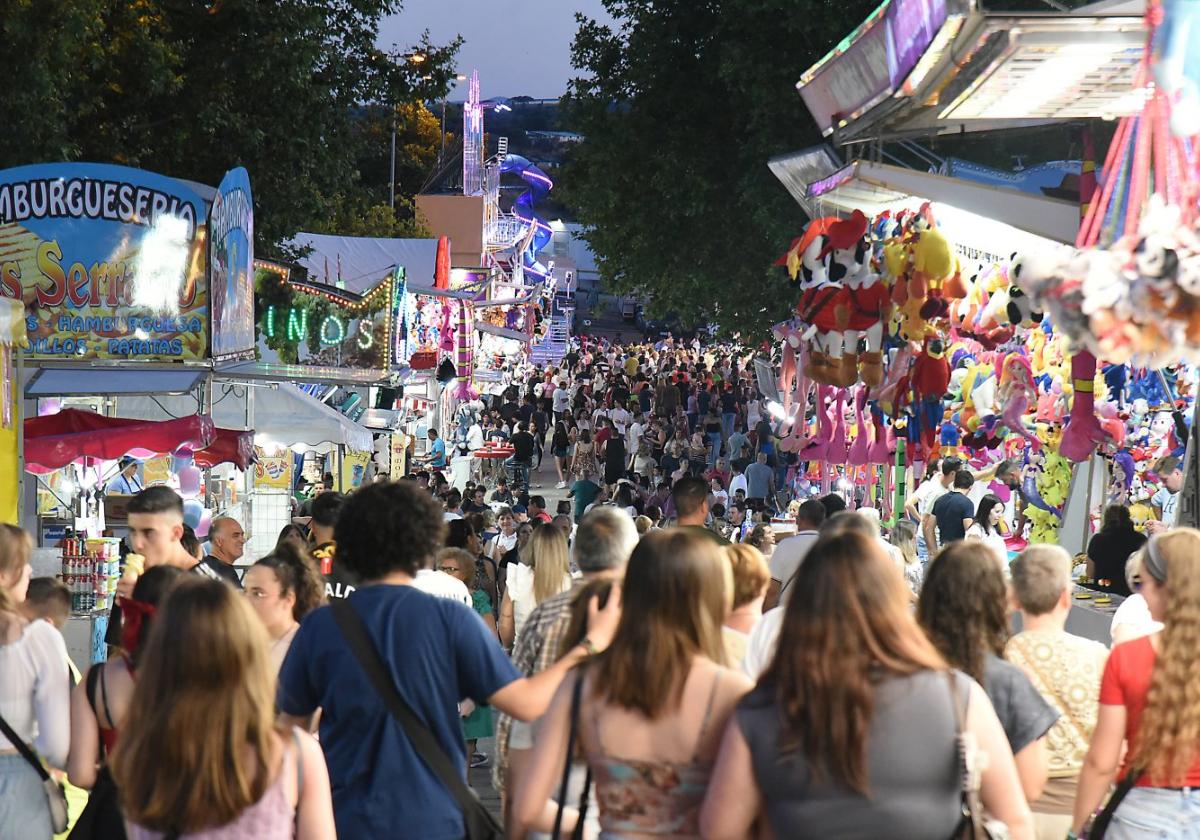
[24, 811]
[1158, 813]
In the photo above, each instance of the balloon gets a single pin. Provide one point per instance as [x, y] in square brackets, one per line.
[205, 523]
[189, 482]
[193, 509]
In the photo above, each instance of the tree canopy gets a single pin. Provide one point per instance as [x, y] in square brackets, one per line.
[681, 103]
[191, 89]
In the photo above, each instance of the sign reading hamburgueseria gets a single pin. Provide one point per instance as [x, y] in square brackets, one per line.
[110, 261]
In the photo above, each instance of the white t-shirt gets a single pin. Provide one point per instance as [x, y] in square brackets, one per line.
[788, 556]
[620, 418]
[36, 700]
[738, 482]
[475, 437]
[928, 493]
[764, 638]
[1134, 616]
[520, 590]
[994, 539]
[1169, 502]
[442, 585]
[562, 399]
[634, 436]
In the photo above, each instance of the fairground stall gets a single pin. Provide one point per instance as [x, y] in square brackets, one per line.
[976, 315]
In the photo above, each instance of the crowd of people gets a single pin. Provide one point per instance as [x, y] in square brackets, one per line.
[645, 658]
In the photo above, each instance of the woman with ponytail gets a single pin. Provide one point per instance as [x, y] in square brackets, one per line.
[283, 587]
[34, 695]
[101, 701]
[1150, 698]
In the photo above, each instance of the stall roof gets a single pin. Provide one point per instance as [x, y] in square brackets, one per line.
[363, 261]
[282, 414]
[977, 71]
[874, 187]
[278, 372]
[99, 381]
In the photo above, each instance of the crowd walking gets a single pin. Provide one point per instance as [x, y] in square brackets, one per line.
[641, 660]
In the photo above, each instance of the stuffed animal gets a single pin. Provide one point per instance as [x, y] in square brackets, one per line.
[862, 307]
[1083, 432]
[1015, 394]
[931, 371]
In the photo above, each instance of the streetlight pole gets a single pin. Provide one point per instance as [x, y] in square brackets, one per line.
[392, 179]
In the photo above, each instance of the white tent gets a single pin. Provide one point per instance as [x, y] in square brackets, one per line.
[361, 262]
[282, 415]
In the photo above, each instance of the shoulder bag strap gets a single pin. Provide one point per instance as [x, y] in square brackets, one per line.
[20, 746]
[972, 822]
[1066, 707]
[423, 741]
[96, 675]
[577, 834]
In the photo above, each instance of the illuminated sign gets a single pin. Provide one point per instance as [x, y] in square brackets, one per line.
[110, 261]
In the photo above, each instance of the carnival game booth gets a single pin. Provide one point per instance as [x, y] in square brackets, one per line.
[968, 347]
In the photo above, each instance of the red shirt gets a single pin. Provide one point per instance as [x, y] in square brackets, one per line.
[1126, 682]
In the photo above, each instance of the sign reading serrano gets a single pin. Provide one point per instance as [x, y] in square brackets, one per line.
[110, 262]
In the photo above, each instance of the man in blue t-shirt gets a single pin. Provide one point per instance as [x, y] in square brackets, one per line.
[437, 451]
[438, 652]
[954, 512]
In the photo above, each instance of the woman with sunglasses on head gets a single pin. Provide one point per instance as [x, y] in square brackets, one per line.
[1150, 705]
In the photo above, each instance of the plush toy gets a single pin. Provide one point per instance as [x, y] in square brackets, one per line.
[804, 263]
[1083, 432]
[883, 448]
[1015, 394]
[931, 371]
[838, 451]
[859, 454]
[1123, 471]
[862, 306]
[891, 396]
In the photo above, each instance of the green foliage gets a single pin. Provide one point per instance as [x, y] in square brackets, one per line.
[682, 102]
[193, 89]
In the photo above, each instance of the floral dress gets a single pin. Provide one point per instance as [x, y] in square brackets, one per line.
[585, 460]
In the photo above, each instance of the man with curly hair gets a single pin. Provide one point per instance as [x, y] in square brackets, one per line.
[437, 653]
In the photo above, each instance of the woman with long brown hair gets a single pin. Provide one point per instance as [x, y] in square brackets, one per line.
[34, 695]
[851, 731]
[206, 754]
[101, 701]
[653, 705]
[1150, 699]
[963, 607]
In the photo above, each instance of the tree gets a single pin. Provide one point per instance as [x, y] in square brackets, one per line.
[192, 89]
[681, 104]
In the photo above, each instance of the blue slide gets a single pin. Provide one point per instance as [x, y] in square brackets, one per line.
[523, 208]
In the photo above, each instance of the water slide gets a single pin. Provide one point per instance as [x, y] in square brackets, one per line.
[523, 209]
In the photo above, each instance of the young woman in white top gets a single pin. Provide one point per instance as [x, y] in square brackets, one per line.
[35, 695]
[986, 526]
[544, 571]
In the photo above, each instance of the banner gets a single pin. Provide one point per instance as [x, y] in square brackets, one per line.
[110, 262]
[399, 456]
[354, 469]
[156, 471]
[231, 267]
[273, 470]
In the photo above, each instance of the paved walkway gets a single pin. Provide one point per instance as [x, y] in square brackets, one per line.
[541, 483]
